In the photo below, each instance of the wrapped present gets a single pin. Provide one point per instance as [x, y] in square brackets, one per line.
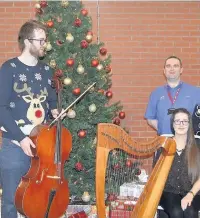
[81, 214]
[133, 189]
[122, 204]
[120, 213]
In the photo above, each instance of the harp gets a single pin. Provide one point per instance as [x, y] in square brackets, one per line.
[109, 137]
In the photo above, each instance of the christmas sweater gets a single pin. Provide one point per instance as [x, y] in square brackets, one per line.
[26, 97]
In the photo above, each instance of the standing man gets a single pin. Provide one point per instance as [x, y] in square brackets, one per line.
[175, 94]
[26, 97]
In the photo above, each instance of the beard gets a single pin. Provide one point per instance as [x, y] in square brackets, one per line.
[37, 52]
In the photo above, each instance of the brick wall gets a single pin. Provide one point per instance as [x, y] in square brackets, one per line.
[139, 36]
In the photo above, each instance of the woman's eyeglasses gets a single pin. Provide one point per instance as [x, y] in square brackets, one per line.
[183, 122]
[42, 41]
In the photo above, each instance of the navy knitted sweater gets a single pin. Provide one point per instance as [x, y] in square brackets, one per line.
[26, 97]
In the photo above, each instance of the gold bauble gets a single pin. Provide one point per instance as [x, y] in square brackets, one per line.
[69, 37]
[92, 108]
[88, 38]
[86, 197]
[48, 46]
[64, 3]
[37, 5]
[52, 63]
[80, 69]
[67, 81]
[71, 114]
[99, 67]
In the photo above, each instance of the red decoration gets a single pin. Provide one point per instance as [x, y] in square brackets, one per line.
[116, 121]
[84, 12]
[94, 63]
[108, 69]
[76, 91]
[122, 115]
[70, 62]
[84, 44]
[90, 33]
[137, 172]
[59, 73]
[81, 214]
[50, 23]
[77, 22]
[82, 133]
[58, 42]
[79, 166]
[109, 94]
[111, 197]
[103, 51]
[129, 163]
[38, 113]
[116, 166]
[43, 4]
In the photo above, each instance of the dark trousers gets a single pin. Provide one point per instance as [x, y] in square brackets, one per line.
[171, 204]
[14, 163]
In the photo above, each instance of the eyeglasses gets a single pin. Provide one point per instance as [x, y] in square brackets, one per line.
[42, 41]
[184, 122]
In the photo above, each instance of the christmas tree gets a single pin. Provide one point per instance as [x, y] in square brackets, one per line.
[79, 62]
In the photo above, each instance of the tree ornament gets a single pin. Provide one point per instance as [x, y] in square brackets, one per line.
[67, 81]
[116, 121]
[70, 62]
[137, 171]
[38, 11]
[37, 6]
[109, 94]
[48, 46]
[69, 37]
[59, 43]
[43, 4]
[116, 166]
[94, 63]
[88, 38]
[101, 91]
[76, 91]
[108, 69]
[80, 69]
[79, 166]
[52, 63]
[59, 73]
[103, 51]
[64, 3]
[122, 115]
[82, 133]
[86, 197]
[129, 163]
[99, 67]
[92, 108]
[50, 23]
[111, 197]
[90, 33]
[84, 44]
[71, 114]
[77, 22]
[84, 12]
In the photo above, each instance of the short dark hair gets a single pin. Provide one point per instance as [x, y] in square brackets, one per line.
[27, 31]
[170, 57]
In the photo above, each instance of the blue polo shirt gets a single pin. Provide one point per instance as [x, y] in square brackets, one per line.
[159, 103]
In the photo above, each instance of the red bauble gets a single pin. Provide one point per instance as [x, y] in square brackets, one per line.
[108, 69]
[77, 22]
[109, 94]
[76, 91]
[111, 197]
[70, 62]
[90, 33]
[58, 42]
[84, 44]
[129, 163]
[84, 12]
[79, 166]
[116, 121]
[117, 166]
[59, 73]
[122, 115]
[82, 133]
[50, 23]
[137, 172]
[43, 4]
[103, 51]
[94, 63]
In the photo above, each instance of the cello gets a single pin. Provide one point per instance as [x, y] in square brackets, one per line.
[43, 192]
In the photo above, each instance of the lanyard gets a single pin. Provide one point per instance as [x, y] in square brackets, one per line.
[173, 100]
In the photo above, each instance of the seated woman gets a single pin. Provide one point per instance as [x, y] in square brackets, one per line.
[181, 196]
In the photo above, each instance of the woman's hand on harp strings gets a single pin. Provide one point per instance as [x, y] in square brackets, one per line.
[55, 113]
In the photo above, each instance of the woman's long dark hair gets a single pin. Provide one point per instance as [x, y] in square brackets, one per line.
[192, 154]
